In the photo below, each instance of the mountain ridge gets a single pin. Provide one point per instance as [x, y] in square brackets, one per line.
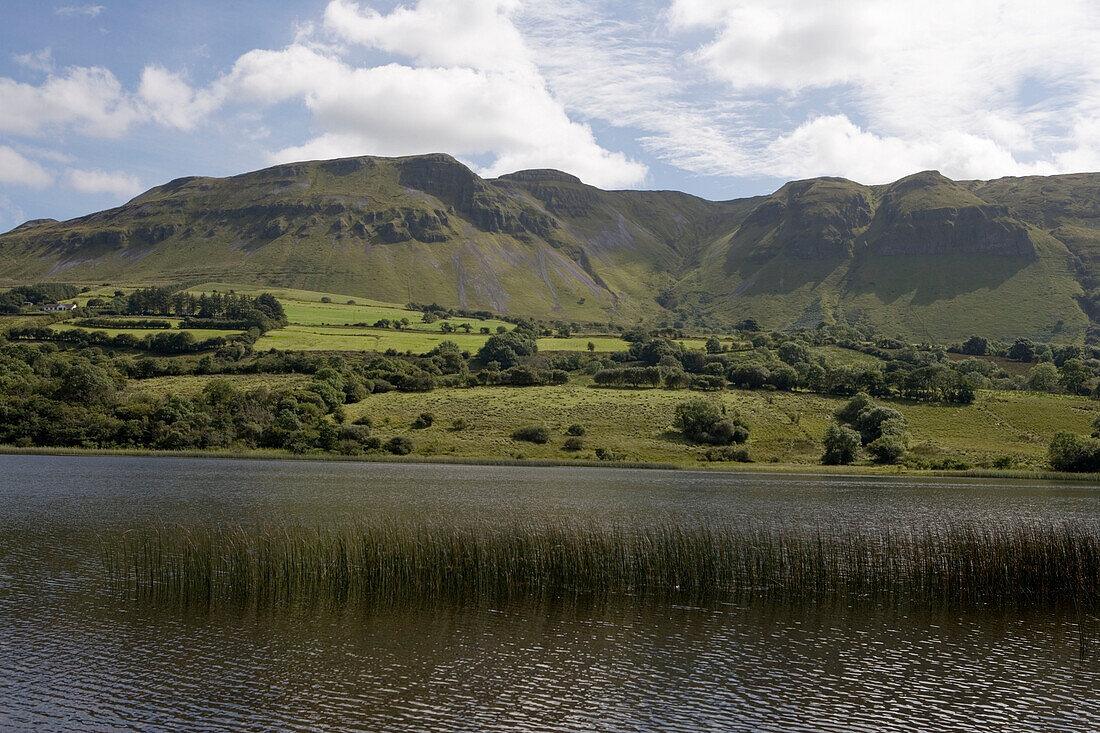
[924, 256]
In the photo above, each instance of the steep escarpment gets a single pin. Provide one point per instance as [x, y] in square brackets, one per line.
[925, 256]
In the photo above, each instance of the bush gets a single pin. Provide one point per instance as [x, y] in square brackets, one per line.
[532, 434]
[423, 420]
[399, 445]
[355, 433]
[871, 422]
[727, 453]
[841, 446]
[575, 429]
[850, 411]
[1069, 452]
[363, 420]
[703, 421]
[605, 454]
[573, 444]
[892, 443]
[459, 424]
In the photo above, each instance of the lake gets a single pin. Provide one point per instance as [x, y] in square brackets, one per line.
[74, 655]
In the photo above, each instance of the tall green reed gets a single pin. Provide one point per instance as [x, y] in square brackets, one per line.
[1011, 563]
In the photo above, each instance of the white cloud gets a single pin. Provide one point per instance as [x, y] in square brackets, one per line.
[89, 100]
[90, 11]
[477, 34]
[19, 170]
[933, 84]
[171, 101]
[477, 92]
[41, 60]
[103, 182]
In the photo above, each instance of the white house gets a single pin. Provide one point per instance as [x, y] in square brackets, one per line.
[58, 307]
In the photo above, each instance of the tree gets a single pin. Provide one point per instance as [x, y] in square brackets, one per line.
[749, 375]
[1070, 452]
[714, 346]
[892, 443]
[1022, 350]
[1042, 377]
[841, 445]
[873, 421]
[851, 409]
[975, 346]
[1075, 376]
[793, 352]
[591, 346]
[703, 421]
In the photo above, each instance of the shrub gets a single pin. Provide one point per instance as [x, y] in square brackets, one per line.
[703, 421]
[872, 420]
[850, 411]
[399, 445]
[727, 453]
[604, 454]
[892, 443]
[532, 434]
[363, 420]
[575, 429]
[574, 443]
[459, 424]
[423, 420]
[1042, 378]
[841, 446]
[356, 433]
[349, 448]
[1069, 452]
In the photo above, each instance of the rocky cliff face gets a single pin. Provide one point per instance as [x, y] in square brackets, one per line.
[541, 242]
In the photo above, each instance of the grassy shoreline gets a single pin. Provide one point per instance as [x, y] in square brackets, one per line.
[728, 468]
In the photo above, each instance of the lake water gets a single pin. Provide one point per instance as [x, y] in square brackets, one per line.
[74, 656]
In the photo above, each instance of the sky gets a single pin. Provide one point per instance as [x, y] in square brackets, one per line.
[719, 98]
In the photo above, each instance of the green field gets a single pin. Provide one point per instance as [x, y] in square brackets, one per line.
[328, 338]
[189, 385]
[785, 427]
[306, 308]
[200, 334]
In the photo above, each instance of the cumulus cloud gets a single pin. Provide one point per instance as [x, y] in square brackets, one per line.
[473, 91]
[89, 100]
[21, 171]
[933, 84]
[102, 182]
[171, 101]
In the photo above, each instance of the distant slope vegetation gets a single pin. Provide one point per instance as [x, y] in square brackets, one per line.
[924, 257]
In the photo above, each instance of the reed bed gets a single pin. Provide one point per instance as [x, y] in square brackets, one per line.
[395, 562]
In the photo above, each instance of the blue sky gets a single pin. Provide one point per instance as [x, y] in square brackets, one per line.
[720, 98]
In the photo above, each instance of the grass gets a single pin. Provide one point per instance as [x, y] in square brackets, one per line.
[786, 428]
[308, 308]
[1010, 564]
[190, 385]
[200, 334]
[329, 338]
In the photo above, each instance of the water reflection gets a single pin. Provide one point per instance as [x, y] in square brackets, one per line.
[72, 657]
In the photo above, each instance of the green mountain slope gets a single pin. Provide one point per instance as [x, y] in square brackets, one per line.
[924, 257]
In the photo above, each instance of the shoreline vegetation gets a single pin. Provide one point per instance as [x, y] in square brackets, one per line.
[177, 368]
[808, 469]
[998, 564]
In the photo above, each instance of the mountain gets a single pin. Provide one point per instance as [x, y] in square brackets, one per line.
[923, 257]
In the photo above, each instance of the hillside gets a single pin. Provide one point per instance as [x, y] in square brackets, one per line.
[924, 257]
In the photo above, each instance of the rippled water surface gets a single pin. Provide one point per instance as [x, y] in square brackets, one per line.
[73, 656]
